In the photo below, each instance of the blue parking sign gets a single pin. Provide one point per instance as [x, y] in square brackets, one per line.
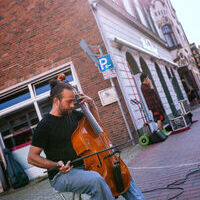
[105, 63]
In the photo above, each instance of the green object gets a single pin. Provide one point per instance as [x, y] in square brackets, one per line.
[165, 132]
[144, 140]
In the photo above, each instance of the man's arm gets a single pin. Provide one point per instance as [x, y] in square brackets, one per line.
[35, 159]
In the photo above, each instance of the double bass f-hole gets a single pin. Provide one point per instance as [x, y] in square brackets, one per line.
[99, 166]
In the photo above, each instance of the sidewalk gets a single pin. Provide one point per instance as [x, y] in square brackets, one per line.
[40, 189]
[160, 164]
[153, 166]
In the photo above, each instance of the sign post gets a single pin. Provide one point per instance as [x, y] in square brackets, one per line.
[106, 67]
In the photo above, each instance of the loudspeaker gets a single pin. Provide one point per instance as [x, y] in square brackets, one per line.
[157, 136]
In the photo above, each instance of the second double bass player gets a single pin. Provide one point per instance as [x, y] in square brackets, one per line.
[53, 135]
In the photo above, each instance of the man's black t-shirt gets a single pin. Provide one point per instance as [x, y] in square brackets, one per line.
[53, 135]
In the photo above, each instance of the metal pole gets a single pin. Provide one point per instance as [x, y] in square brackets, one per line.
[122, 110]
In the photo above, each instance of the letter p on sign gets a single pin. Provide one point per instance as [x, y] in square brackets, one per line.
[105, 63]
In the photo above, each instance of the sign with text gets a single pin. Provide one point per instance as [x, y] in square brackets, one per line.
[149, 46]
[105, 63]
[108, 74]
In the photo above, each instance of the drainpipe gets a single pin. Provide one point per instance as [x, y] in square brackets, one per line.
[122, 110]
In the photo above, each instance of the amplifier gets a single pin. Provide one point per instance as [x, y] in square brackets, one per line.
[185, 107]
[180, 122]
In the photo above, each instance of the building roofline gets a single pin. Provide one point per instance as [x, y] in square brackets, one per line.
[120, 12]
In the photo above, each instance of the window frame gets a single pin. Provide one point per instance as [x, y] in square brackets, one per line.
[138, 7]
[171, 36]
[30, 85]
[35, 99]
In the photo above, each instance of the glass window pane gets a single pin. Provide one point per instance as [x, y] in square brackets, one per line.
[45, 106]
[140, 13]
[128, 8]
[174, 39]
[44, 86]
[14, 99]
[169, 36]
[69, 78]
[169, 40]
[17, 128]
[166, 29]
[22, 139]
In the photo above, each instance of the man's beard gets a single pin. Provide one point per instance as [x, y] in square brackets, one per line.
[65, 112]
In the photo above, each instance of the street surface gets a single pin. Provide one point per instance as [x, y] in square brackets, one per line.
[153, 166]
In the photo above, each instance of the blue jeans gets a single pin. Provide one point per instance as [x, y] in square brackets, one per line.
[89, 182]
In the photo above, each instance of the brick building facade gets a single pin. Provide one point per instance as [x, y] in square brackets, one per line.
[40, 39]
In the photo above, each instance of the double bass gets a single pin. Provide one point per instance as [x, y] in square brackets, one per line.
[91, 142]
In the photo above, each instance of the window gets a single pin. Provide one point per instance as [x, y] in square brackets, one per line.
[14, 99]
[17, 128]
[140, 12]
[178, 31]
[43, 86]
[149, 19]
[18, 122]
[45, 106]
[169, 36]
[129, 8]
[23, 106]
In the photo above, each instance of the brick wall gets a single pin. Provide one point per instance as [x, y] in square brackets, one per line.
[35, 34]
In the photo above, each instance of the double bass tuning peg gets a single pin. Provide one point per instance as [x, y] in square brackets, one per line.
[61, 77]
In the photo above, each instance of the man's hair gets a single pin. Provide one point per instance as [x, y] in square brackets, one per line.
[143, 76]
[57, 88]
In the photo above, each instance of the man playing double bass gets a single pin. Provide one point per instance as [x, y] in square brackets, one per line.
[53, 135]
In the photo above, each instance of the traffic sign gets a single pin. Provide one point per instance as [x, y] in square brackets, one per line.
[105, 63]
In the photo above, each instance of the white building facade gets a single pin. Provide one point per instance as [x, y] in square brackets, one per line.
[135, 45]
[170, 29]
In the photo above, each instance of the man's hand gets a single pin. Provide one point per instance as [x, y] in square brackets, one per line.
[85, 99]
[150, 83]
[64, 168]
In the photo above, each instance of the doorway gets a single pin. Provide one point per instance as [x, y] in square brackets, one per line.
[166, 90]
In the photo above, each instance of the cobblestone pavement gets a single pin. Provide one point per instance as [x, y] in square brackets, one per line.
[40, 188]
[153, 166]
[160, 164]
